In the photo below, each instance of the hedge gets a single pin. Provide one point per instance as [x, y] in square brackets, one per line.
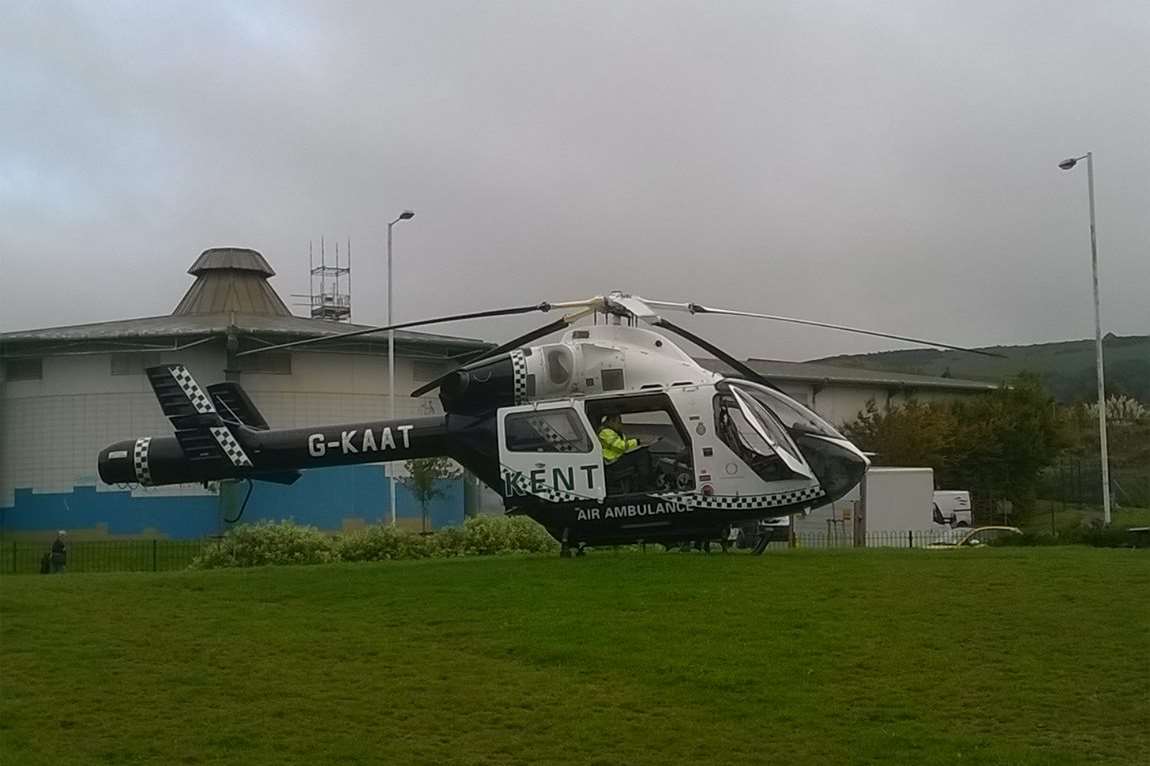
[285, 542]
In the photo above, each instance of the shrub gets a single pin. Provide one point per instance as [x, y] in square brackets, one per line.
[286, 542]
[495, 535]
[448, 542]
[1096, 536]
[1027, 539]
[384, 543]
[251, 545]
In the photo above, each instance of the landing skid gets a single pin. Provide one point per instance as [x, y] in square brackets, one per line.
[568, 551]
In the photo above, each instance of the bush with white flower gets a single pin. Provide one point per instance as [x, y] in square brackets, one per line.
[1120, 409]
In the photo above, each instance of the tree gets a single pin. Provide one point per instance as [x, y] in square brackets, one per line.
[915, 434]
[422, 477]
[1006, 438]
[995, 444]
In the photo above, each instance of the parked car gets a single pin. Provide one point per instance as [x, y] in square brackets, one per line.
[1139, 537]
[978, 537]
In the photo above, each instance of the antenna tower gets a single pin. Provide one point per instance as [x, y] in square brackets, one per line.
[330, 284]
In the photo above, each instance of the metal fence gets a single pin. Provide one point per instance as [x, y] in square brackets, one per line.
[28, 557]
[884, 539]
[1075, 481]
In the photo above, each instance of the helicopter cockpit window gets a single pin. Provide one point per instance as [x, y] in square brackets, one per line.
[793, 415]
[757, 437]
[737, 432]
[767, 427]
[546, 431]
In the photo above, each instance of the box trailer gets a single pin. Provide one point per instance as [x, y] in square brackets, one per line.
[888, 501]
[897, 500]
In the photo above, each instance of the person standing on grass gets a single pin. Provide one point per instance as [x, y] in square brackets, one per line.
[59, 552]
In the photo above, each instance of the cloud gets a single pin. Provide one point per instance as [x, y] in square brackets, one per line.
[888, 166]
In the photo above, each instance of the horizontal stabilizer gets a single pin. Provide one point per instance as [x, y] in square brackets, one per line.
[199, 445]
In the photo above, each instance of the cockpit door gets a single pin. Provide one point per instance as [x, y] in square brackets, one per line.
[549, 450]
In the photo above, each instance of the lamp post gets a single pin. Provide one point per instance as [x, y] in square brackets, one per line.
[1067, 165]
[406, 215]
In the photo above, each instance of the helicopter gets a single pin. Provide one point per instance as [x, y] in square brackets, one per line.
[707, 452]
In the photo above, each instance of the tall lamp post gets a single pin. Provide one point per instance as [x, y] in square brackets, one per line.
[1067, 165]
[406, 215]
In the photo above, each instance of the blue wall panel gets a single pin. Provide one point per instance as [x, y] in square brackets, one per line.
[123, 515]
[327, 499]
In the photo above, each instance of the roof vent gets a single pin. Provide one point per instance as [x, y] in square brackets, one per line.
[231, 279]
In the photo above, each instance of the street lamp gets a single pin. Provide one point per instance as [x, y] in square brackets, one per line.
[406, 215]
[1068, 164]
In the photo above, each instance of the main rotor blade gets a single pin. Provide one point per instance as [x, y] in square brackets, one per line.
[695, 308]
[740, 367]
[514, 343]
[544, 307]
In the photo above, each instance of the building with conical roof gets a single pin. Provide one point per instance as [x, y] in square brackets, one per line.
[65, 392]
[231, 279]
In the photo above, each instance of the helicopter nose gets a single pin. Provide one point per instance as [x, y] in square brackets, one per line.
[837, 464]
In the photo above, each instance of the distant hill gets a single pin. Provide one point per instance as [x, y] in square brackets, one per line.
[1067, 368]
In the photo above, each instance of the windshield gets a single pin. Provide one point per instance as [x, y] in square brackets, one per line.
[747, 440]
[793, 415]
[765, 425]
[744, 433]
[757, 435]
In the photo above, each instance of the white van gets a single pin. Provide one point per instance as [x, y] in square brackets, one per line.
[952, 508]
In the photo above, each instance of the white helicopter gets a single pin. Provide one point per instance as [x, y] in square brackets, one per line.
[706, 453]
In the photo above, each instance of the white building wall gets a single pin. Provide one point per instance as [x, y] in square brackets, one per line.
[842, 404]
[928, 395]
[53, 428]
[800, 392]
[328, 388]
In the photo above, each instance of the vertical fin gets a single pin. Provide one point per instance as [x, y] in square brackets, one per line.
[201, 432]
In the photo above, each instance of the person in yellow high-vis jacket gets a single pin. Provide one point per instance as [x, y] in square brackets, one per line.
[628, 468]
[612, 439]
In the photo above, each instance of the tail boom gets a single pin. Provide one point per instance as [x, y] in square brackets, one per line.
[162, 460]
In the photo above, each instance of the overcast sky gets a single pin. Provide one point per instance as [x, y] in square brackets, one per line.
[890, 165]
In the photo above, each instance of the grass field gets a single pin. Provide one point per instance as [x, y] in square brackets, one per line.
[1023, 656]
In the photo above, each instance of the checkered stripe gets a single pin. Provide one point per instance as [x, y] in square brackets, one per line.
[140, 460]
[560, 442]
[519, 371]
[755, 502]
[675, 499]
[230, 446]
[519, 481]
[200, 400]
